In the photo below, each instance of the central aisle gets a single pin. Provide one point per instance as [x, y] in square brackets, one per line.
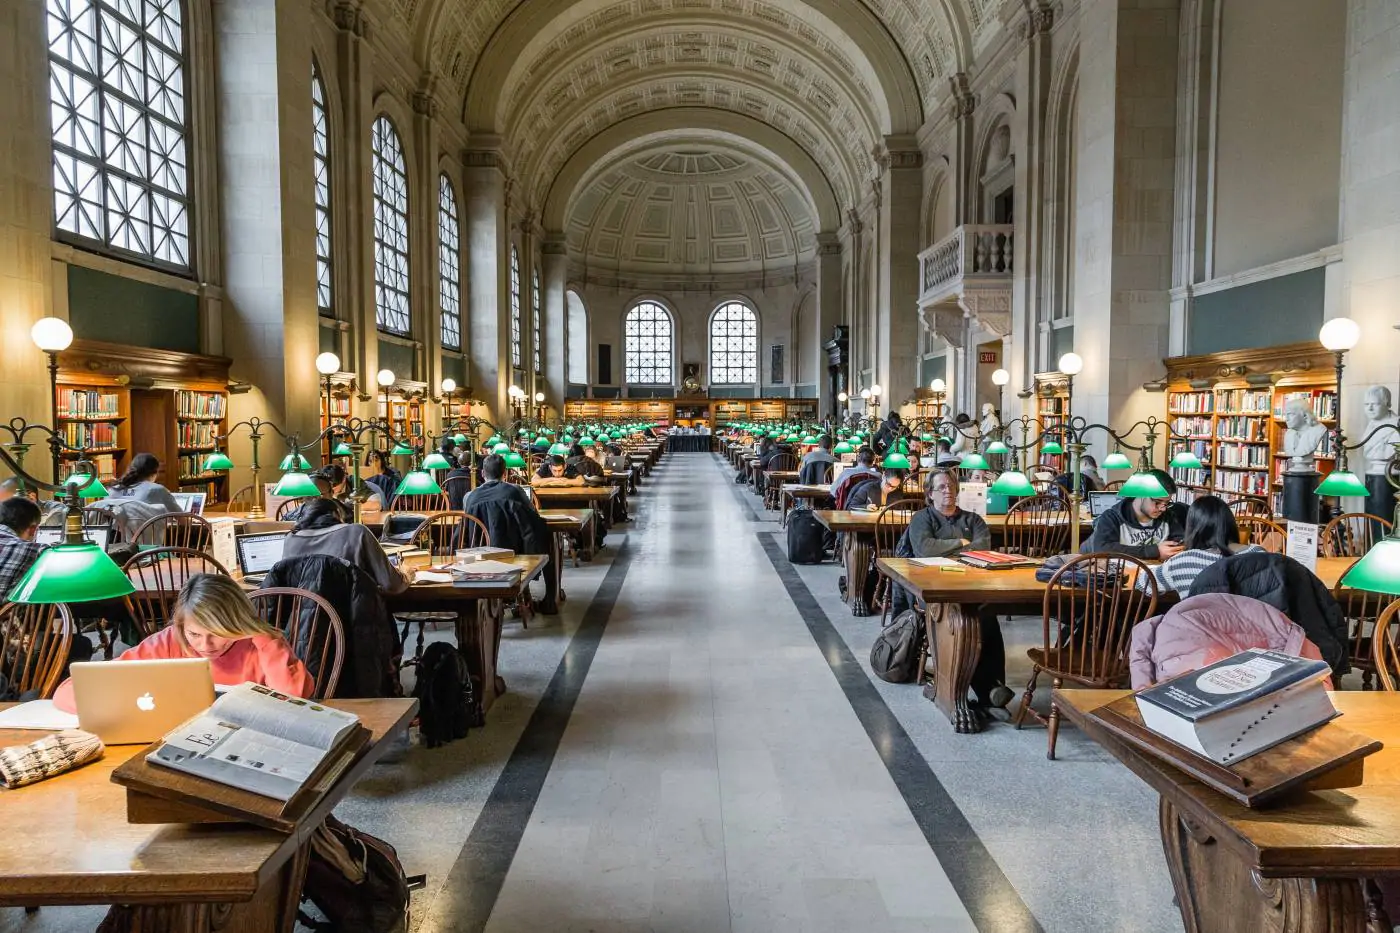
[713, 775]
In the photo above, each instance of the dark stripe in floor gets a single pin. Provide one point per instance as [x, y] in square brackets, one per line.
[989, 897]
[474, 882]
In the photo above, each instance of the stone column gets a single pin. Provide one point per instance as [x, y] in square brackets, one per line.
[828, 310]
[901, 197]
[487, 234]
[554, 280]
[26, 211]
[355, 74]
[529, 237]
[1125, 183]
[427, 322]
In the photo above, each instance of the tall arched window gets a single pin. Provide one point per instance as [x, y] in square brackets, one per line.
[734, 345]
[535, 311]
[117, 99]
[321, 193]
[390, 177]
[647, 345]
[449, 265]
[514, 306]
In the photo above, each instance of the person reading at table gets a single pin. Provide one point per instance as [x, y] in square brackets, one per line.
[844, 482]
[512, 522]
[1148, 529]
[942, 529]
[457, 482]
[321, 529]
[139, 484]
[877, 491]
[385, 480]
[582, 464]
[19, 523]
[1089, 478]
[556, 471]
[214, 619]
[1211, 535]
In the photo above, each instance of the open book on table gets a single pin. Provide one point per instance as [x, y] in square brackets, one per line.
[259, 740]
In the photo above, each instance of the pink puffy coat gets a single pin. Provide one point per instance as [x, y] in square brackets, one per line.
[1204, 629]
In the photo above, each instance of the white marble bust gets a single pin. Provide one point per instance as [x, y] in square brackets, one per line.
[1303, 436]
[1379, 415]
[990, 424]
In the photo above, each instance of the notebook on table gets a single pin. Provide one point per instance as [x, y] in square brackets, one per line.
[137, 702]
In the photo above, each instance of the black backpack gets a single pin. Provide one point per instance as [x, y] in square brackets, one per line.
[806, 538]
[356, 882]
[446, 702]
[897, 651]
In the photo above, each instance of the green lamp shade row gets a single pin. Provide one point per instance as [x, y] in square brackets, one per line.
[585, 441]
[1013, 483]
[294, 462]
[514, 461]
[1185, 459]
[342, 450]
[1117, 461]
[1143, 486]
[295, 484]
[1051, 447]
[1378, 570]
[436, 461]
[998, 447]
[218, 460]
[93, 490]
[973, 461]
[1342, 483]
[418, 483]
[843, 448]
[895, 461]
[71, 573]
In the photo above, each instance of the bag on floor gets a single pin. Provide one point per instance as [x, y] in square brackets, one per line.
[894, 657]
[443, 689]
[806, 538]
[356, 882]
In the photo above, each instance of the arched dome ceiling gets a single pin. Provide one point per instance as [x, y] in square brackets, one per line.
[688, 210]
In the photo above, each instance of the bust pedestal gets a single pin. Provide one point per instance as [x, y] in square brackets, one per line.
[1381, 499]
[1300, 501]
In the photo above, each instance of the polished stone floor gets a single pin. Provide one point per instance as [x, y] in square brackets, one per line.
[695, 744]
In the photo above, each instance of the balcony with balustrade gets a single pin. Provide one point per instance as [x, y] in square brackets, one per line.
[974, 258]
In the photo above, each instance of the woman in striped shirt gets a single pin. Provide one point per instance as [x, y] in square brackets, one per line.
[1211, 535]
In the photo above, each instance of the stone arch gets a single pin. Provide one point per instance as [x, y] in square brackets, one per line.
[995, 160]
[939, 209]
[805, 322]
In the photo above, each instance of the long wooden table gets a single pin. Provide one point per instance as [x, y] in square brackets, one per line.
[1304, 864]
[68, 842]
[952, 601]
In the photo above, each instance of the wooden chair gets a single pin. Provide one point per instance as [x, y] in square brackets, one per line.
[242, 500]
[890, 524]
[445, 533]
[34, 642]
[176, 529]
[1362, 610]
[1114, 485]
[772, 490]
[158, 574]
[1385, 657]
[1037, 526]
[1265, 532]
[427, 502]
[1088, 614]
[285, 510]
[96, 518]
[312, 628]
[1352, 534]
[1250, 505]
[459, 486]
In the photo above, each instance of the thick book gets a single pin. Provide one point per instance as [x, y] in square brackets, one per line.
[1241, 705]
[995, 560]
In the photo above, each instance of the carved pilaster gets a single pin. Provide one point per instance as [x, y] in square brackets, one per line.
[554, 245]
[348, 16]
[964, 101]
[424, 103]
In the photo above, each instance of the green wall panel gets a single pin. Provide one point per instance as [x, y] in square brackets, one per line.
[1287, 309]
[118, 310]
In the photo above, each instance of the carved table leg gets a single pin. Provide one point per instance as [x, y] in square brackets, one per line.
[957, 644]
[858, 551]
[1219, 893]
[477, 650]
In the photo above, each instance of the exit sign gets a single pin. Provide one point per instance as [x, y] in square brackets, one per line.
[987, 356]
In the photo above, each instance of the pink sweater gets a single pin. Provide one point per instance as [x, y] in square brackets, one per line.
[263, 659]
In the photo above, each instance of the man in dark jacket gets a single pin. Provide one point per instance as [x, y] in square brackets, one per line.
[890, 430]
[1148, 529]
[457, 483]
[512, 522]
[1290, 588]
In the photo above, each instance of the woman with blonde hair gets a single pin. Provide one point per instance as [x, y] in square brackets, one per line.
[214, 619]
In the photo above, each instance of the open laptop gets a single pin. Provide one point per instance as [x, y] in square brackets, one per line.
[192, 502]
[137, 702]
[259, 553]
[56, 535]
[1101, 501]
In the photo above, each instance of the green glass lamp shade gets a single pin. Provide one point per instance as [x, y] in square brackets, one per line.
[616, 435]
[436, 461]
[1378, 570]
[1143, 486]
[1343, 483]
[843, 448]
[775, 433]
[342, 450]
[295, 484]
[568, 438]
[218, 460]
[1012, 483]
[585, 441]
[926, 437]
[895, 461]
[494, 439]
[294, 462]
[973, 461]
[1185, 459]
[515, 461]
[71, 573]
[459, 439]
[401, 450]
[1117, 461]
[418, 483]
[558, 450]
[808, 439]
[94, 490]
[998, 447]
[1051, 447]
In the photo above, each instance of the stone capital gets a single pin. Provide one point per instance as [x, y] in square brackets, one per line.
[964, 101]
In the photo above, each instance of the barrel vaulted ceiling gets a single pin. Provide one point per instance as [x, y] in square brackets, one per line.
[833, 78]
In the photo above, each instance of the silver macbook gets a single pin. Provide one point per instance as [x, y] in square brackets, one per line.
[1101, 501]
[192, 502]
[137, 702]
[257, 554]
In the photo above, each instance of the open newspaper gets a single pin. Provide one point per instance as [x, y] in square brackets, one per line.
[257, 739]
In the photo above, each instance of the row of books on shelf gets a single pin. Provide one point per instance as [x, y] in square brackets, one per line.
[1243, 401]
[1191, 427]
[106, 466]
[1238, 427]
[1242, 455]
[85, 403]
[90, 435]
[1191, 403]
[340, 407]
[192, 465]
[197, 433]
[1323, 403]
[1250, 483]
[191, 404]
[1185, 477]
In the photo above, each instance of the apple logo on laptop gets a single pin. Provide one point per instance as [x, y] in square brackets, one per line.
[146, 703]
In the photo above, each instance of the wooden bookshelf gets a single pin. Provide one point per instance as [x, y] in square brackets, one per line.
[1230, 406]
[665, 412]
[94, 416]
[1051, 407]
